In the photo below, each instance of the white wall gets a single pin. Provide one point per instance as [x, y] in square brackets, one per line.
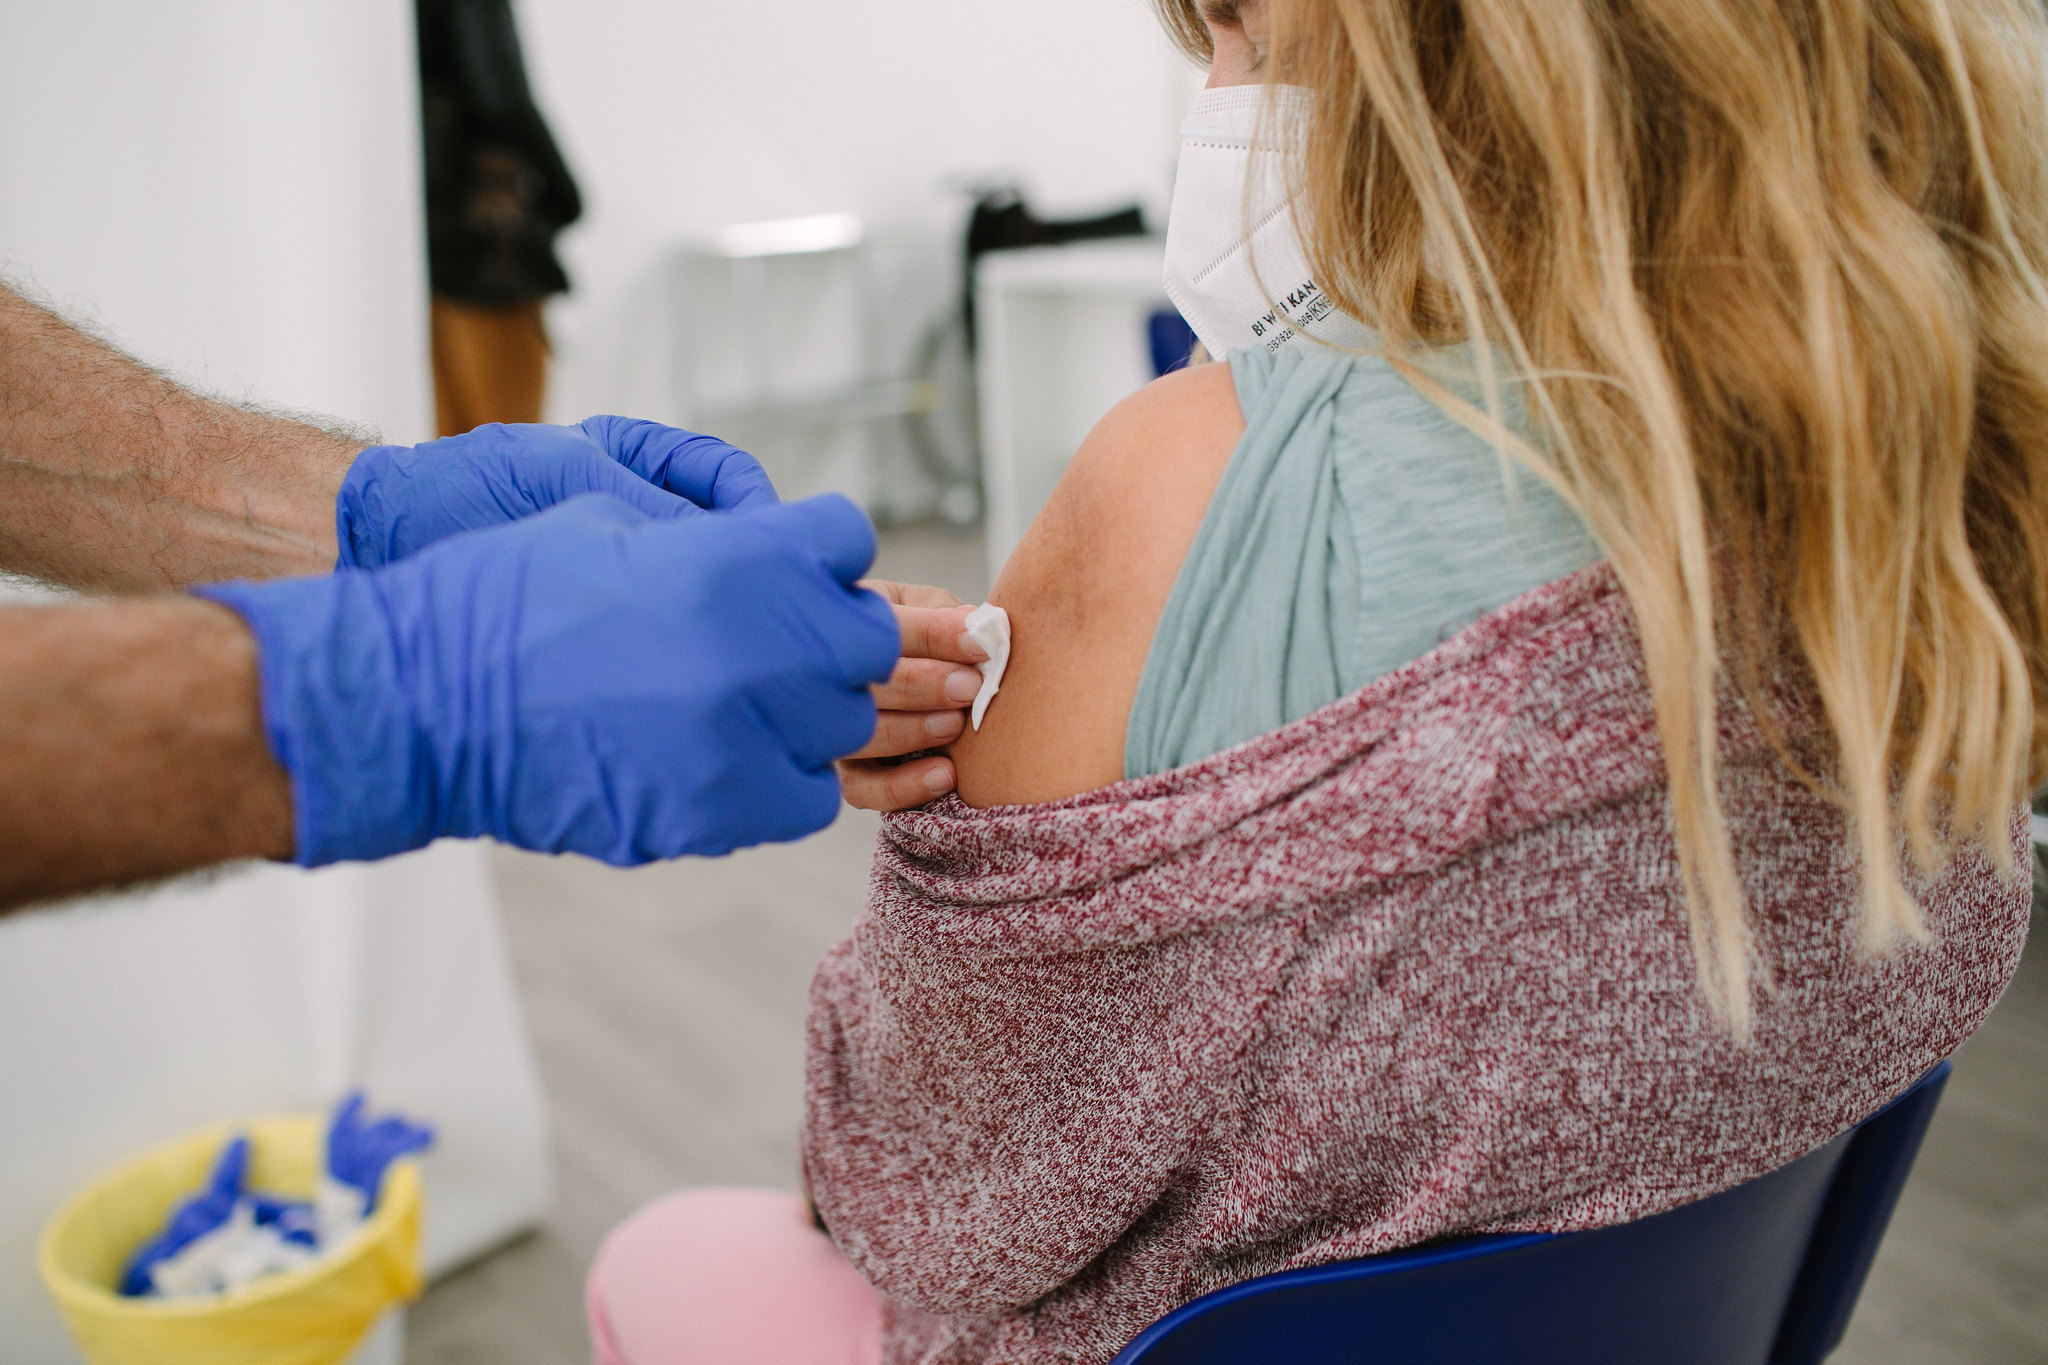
[682, 115]
[229, 188]
[250, 233]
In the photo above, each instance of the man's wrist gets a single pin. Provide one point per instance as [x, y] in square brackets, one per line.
[228, 647]
[114, 478]
[135, 747]
[262, 494]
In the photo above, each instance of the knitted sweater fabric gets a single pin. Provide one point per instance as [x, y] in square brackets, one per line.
[1415, 965]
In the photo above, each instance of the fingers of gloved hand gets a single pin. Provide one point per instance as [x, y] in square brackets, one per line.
[869, 785]
[777, 571]
[616, 481]
[815, 722]
[527, 467]
[928, 685]
[863, 638]
[829, 533]
[399, 500]
[839, 533]
[709, 472]
[905, 732]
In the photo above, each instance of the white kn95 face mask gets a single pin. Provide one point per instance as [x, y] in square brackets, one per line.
[1235, 267]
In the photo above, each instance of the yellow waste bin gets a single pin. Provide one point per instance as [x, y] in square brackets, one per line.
[315, 1315]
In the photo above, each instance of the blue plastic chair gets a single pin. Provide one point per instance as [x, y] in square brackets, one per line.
[1763, 1274]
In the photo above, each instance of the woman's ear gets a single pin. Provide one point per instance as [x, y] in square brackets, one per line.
[1237, 54]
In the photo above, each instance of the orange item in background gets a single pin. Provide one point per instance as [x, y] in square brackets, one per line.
[490, 363]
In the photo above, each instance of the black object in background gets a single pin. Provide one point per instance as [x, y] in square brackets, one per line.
[497, 188]
[1003, 221]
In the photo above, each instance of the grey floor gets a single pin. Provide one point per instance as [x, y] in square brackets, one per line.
[667, 1004]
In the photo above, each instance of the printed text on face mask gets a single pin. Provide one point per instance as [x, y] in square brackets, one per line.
[1303, 306]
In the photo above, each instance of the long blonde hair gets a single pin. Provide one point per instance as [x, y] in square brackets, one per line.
[1771, 271]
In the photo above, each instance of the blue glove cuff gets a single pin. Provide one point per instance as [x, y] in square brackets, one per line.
[362, 772]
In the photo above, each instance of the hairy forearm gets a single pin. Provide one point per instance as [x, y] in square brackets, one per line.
[116, 479]
[131, 747]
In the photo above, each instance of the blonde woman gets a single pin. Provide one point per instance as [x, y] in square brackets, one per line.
[1532, 739]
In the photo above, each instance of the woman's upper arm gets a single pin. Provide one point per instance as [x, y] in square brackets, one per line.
[1086, 587]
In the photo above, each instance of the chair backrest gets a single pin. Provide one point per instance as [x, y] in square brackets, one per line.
[1764, 1274]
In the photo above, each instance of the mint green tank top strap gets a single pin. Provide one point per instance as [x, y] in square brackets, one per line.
[1356, 527]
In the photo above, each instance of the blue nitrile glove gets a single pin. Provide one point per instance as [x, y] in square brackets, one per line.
[586, 680]
[292, 1218]
[358, 1152]
[204, 1212]
[397, 500]
[704, 469]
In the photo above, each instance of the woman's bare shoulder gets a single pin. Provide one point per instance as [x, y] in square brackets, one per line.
[1086, 587]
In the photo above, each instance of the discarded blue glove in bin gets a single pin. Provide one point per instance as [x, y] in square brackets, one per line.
[203, 1213]
[227, 1235]
[291, 1218]
[358, 1153]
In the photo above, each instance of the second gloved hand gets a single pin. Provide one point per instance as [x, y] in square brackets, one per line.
[588, 679]
[397, 500]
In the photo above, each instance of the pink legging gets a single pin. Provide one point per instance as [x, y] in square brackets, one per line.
[728, 1277]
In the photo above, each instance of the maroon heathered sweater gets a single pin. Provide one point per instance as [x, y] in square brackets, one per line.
[1415, 965]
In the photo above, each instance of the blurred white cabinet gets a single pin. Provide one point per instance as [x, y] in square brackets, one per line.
[1061, 338]
[831, 350]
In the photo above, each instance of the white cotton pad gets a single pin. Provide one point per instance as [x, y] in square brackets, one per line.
[989, 627]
